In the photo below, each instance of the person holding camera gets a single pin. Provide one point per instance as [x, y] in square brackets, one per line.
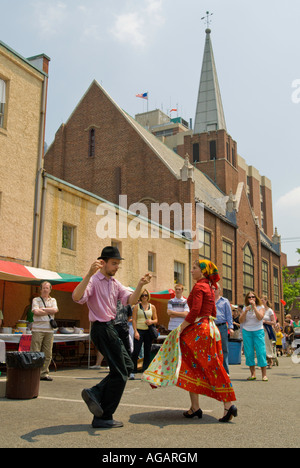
[254, 335]
[44, 309]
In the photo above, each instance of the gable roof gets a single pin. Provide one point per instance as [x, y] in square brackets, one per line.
[206, 191]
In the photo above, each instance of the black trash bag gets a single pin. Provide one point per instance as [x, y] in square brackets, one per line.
[24, 360]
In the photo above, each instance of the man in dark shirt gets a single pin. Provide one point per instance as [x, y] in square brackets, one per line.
[121, 324]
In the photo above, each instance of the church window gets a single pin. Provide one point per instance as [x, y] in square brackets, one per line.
[213, 149]
[248, 270]
[196, 152]
[92, 143]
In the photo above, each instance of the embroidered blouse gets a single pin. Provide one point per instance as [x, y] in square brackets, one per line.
[201, 301]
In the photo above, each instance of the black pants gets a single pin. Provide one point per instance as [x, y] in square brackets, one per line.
[147, 340]
[124, 335]
[110, 390]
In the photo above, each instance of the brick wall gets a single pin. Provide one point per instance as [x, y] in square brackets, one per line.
[125, 164]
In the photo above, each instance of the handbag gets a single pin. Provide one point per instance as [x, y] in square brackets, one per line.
[152, 328]
[52, 322]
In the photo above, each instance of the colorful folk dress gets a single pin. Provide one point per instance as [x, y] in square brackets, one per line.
[193, 359]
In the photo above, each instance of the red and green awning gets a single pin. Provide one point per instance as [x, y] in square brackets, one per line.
[17, 273]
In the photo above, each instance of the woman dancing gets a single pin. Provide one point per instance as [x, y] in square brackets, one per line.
[202, 371]
[191, 356]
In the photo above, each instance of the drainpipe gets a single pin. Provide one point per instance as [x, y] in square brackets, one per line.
[42, 220]
[39, 175]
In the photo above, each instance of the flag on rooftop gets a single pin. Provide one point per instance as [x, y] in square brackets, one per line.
[143, 96]
[173, 110]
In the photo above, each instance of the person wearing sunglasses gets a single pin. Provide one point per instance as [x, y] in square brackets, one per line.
[254, 335]
[143, 315]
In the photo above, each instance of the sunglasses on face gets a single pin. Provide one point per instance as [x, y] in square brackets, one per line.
[251, 297]
[144, 295]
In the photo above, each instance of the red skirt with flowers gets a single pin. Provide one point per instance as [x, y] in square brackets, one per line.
[202, 368]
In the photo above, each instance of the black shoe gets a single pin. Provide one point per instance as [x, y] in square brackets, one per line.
[47, 378]
[198, 413]
[92, 403]
[106, 423]
[231, 413]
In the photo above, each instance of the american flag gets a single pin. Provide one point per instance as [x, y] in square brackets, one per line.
[143, 96]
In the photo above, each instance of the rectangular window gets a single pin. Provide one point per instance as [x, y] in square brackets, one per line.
[205, 249]
[68, 236]
[227, 270]
[248, 270]
[213, 149]
[151, 262]
[276, 289]
[92, 143]
[178, 273]
[227, 152]
[196, 152]
[233, 157]
[265, 279]
[2, 101]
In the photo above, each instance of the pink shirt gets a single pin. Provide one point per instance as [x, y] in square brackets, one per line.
[102, 295]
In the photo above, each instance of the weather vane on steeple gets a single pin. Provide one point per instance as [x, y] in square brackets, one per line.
[207, 17]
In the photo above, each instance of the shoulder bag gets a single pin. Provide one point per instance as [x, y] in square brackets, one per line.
[52, 322]
[152, 328]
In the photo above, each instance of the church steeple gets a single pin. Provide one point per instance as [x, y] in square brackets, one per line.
[209, 112]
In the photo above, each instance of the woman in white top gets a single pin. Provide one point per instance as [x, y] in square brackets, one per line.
[44, 308]
[143, 315]
[254, 335]
[269, 322]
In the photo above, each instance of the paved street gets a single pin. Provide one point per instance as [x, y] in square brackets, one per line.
[268, 414]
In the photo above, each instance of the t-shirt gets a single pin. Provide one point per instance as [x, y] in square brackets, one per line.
[123, 313]
[251, 323]
[279, 337]
[177, 305]
[42, 323]
[268, 315]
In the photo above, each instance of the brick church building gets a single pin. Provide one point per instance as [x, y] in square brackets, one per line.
[105, 151]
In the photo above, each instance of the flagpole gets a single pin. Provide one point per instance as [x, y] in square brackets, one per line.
[147, 101]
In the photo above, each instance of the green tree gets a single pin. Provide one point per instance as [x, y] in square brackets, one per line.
[291, 288]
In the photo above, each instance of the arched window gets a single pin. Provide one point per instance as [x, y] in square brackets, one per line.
[248, 270]
[92, 143]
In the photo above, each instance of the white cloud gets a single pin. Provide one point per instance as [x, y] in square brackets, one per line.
[129, 28]
[135, 27]
[290, 200]
[154, 10]
[50, 16]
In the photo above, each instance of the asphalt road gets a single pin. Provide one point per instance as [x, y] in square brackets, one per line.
[268, 415]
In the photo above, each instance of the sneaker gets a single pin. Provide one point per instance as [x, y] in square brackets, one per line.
[132, 377]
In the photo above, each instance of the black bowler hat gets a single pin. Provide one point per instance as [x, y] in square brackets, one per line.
[110, 252]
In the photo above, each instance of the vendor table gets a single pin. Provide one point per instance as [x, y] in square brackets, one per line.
[58, 337]
[64, 349]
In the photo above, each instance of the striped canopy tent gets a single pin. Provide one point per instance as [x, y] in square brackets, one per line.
[163, 296]
[17, 273]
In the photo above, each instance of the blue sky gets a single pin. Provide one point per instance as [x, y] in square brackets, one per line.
[134, 46]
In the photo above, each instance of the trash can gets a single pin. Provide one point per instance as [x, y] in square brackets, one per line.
[235, 351]
[23, 374]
